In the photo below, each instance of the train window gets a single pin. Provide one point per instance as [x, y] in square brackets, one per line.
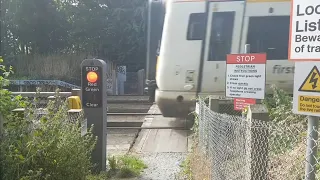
[221, 35]
[196, 26]
[269, 34]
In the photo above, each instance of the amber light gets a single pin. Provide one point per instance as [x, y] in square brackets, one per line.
[92, 77]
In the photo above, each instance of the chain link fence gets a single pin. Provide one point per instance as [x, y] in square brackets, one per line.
[243, 148]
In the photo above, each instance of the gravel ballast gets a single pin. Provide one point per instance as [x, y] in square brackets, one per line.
[161, 166]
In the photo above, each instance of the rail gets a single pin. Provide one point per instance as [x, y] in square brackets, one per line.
[41, 94]
[77, 92]
[75, 113]
[64, 94]
[115, 103]
[44, 110]
[43, 82]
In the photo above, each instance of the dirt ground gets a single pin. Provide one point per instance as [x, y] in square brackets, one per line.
[200, 166]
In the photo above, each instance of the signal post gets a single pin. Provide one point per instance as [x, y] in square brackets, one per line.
[94, 102]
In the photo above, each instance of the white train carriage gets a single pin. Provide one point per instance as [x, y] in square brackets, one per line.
[196, 37]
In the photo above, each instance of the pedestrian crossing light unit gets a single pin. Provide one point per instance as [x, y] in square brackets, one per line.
[94, 104]
[92, 77]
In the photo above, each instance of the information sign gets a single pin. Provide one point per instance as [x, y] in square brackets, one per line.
[304, 43]
[246, 75]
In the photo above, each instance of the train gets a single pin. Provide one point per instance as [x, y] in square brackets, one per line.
[188, 41]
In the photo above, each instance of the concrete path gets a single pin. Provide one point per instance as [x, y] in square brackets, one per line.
[162, 140]
[163, 150]
[119, 141]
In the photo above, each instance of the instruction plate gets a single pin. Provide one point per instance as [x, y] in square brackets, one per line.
[246, 75]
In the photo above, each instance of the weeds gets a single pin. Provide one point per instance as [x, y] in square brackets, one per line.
[101, 176]
[186, 168]
[130, 166]
[125, 166]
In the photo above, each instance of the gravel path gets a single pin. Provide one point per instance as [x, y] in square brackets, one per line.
[161, 166]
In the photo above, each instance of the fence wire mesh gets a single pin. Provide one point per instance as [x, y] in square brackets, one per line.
[242, 149]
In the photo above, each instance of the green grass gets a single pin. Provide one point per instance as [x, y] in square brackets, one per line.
[130, 166]
[101, 176]
[125, 166]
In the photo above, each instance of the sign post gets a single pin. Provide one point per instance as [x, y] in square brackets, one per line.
[94, 102]
[304, 47]
[245, 82]
[306, 101]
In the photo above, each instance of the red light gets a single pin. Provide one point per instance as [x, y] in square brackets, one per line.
[92, 77]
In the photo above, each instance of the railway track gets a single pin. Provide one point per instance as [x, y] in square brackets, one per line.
[135, 121]
[124, 112]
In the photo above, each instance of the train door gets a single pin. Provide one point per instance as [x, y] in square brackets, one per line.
[222, 38]
[266, 29]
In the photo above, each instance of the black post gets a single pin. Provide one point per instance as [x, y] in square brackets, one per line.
[94, 102]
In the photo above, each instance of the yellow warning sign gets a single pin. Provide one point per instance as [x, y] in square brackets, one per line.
[310, 104]
[312, 81]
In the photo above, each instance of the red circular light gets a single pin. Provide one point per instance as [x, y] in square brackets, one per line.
[92, 77]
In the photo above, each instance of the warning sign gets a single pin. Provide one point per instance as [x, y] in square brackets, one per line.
[309, 104]
[306, 92]
[246, 75]
[240, 103]
[312, 81]
[304, 30]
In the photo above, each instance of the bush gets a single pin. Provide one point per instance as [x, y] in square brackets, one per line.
[52, 148]
[49, 147]
[7, 101]
[280, 108]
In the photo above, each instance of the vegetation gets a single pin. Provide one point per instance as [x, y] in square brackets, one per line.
[280, 108]
[49, 147]
[7, 102]
[42, 32]
[125, 166]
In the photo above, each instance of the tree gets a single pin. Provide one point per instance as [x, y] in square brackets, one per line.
[107, 29]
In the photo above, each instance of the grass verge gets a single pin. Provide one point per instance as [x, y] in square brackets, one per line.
[126, 166]
[195, 166]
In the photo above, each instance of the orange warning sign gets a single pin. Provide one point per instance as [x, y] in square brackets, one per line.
[312, 81]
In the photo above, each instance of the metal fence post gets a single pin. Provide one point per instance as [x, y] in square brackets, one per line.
[259, 142]
[248, 145]
[311, 152]
[258, 138]
[246, 51]
[141, 81]
[214, 106]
